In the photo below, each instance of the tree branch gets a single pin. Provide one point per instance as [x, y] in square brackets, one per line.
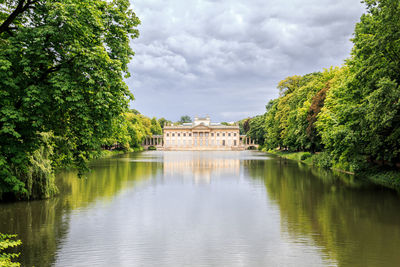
[22, 6]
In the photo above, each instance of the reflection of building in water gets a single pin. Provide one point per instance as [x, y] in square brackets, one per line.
[202, 134]
[200, 168]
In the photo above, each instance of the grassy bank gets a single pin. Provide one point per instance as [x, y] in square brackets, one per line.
[377, 175]
[305, 157]
[110, 153]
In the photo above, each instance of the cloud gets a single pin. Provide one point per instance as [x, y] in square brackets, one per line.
[225, 57]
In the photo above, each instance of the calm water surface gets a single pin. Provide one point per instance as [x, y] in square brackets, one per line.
[207, 209]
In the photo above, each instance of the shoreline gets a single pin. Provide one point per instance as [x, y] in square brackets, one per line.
[387, 178]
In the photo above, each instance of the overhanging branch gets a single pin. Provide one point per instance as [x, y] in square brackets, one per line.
[22, 6]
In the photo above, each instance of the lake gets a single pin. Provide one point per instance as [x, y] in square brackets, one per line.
[194, 208]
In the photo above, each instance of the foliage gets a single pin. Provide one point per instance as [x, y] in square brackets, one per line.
[129, 131]
[62, 65]
[164, 121]
[244, 125]
[155, 127]
[361, 120]
[185, 119]
[6, 242]
[322, 160]
[305, 156]
[351, 113]
[256, 129]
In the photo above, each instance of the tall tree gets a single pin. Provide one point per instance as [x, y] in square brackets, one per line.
[62, 65]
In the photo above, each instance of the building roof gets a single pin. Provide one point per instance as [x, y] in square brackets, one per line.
[201, 122]
[220, 126]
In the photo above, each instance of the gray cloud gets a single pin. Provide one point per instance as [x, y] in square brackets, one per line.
[225, 57]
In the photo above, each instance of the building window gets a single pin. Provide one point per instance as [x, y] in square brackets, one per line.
[223, 134]
[201, 134]
[206, 134]
[167, 134]
[190, 134]
[173, 134]
[234, 134]
[195, 134]
[234, 142]
[223, 142]
[179, 134]
[212, 134]
[229, 134]
[217, 134]
[184, 134]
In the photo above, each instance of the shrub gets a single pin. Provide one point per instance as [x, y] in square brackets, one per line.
[305, 156]
[322, 160]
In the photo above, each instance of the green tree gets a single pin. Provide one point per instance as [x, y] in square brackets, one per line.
[185, 119]
[272, 130]
[163, 121]
[62, 69]
[155, 127]
[257, 129]
[361, 117]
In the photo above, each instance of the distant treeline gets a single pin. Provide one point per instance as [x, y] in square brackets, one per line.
[351, 113]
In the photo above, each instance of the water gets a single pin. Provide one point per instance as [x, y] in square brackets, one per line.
[207, 209]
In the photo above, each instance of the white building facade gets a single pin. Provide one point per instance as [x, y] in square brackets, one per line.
[202, 135]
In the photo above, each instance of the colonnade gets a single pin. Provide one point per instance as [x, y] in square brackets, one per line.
[247, 141]
[159, 140]
[153, 141]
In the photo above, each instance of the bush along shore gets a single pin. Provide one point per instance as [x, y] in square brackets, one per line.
[380, 175]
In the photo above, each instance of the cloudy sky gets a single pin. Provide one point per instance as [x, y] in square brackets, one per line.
[224, 58]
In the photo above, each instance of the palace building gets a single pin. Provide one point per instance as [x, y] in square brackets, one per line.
[202, 134]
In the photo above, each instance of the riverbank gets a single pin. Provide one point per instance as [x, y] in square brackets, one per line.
[377, 175]
[110, 153]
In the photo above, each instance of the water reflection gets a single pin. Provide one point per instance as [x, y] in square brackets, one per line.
[207, 208]
[43, 225]
[199, 167]
[354, 223]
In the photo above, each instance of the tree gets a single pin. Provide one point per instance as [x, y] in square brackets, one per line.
[163, 121]
[289, 84]
[185, 119]
[317, 103]
[360, 120]
[155, 127]
[62, 69]
[257, 129]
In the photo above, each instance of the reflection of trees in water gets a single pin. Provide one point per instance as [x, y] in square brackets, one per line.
[109, 176]
[355, 225]
[42, 225]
